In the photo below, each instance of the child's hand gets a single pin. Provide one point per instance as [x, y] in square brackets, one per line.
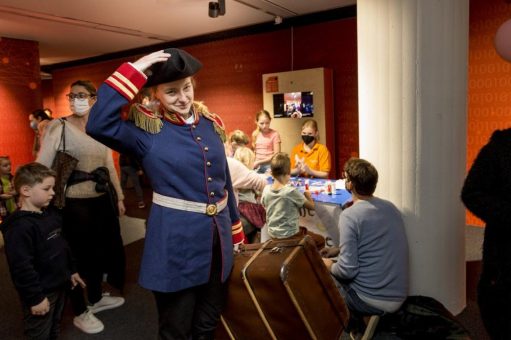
[307, 195]
[77, 280]
[42, 308]
[328, 263]
[329, 252]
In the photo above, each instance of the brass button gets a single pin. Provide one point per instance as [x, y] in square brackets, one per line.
[206, 149]
[210, 179]
[199, 139]
[193, 126]
[208, 163]
[212, 194]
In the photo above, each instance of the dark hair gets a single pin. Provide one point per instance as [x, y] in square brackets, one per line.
[89, 86]
[30, 174]
[42, 114]
[280, 164]
[362, 175]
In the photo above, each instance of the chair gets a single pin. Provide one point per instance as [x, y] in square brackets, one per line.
[370, 323]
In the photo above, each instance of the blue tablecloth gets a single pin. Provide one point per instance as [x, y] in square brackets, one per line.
[339, 196]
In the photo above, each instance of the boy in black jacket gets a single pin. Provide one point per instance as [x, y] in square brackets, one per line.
[39, 259]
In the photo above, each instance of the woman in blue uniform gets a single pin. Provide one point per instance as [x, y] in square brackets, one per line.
[193, 222]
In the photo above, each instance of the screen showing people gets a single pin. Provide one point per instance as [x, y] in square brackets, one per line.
[293, 104]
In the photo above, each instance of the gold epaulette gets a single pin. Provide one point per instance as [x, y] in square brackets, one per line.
[145, 119]
[218, 123]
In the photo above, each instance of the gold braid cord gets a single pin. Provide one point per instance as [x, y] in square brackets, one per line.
[218, 124]
[145, 119]
[148, 121]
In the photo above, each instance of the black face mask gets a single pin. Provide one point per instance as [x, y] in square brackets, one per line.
[308, 139]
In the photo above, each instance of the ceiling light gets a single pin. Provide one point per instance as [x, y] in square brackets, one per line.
[216, 8]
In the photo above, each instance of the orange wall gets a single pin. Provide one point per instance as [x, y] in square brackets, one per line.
[230, 83]
[20, 94]
[489, 88]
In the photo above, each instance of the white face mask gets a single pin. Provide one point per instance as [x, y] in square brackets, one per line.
[80, 107]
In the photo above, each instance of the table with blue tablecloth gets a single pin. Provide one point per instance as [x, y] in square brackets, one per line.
[324, 219]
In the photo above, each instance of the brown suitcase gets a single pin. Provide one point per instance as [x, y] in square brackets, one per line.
[281, 290]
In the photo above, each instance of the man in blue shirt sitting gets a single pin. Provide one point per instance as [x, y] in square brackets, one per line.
[371, 265]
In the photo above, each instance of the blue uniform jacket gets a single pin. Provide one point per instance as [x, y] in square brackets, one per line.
[181, 161]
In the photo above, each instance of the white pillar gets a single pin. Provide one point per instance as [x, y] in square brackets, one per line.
[412, 66]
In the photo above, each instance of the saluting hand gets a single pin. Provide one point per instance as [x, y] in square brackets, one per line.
[146, 61]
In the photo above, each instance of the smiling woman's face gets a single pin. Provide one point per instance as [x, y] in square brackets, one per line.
[176, 96]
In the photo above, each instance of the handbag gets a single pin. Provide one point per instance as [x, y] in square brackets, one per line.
[254, 213]
[63, 165]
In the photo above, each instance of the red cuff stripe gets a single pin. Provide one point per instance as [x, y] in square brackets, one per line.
[237, 233]
[127, 80]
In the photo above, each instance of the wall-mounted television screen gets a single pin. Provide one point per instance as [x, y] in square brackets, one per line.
[293, 105]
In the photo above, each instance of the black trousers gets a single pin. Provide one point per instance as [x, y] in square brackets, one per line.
[44, 327]
[193, 313]
[92, 230]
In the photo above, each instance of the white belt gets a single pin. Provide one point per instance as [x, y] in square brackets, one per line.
[179, 204]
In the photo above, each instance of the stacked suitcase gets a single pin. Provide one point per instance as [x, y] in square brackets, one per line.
[281, 290]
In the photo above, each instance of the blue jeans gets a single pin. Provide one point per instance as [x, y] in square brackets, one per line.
[354, 302]
[356, 306]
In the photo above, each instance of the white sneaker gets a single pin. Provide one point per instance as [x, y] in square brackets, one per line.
[88, 323]
[106, 302]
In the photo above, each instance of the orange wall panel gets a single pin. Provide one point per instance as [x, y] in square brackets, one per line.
[20, 94]
[489, 79]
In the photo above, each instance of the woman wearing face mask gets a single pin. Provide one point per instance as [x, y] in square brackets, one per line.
[310, 158]
[91, 224]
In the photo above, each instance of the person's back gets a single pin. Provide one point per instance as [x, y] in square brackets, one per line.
[382, 272]
[282, 202]
[371, 270]
[282, 210]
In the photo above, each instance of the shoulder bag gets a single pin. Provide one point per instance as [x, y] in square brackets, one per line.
[63, 164]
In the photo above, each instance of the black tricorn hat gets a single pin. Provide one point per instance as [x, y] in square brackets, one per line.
[180, 65]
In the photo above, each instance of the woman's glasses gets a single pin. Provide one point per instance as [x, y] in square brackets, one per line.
[80, 95]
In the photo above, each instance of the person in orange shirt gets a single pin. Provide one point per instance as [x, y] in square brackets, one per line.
[310, 158]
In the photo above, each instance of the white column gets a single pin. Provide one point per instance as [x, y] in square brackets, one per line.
[412, 66]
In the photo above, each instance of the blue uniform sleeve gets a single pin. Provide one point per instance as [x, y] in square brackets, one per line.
[105, 123]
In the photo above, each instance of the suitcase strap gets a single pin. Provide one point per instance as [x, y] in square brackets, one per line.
[251, 291]
[294, 299]
[227, 329]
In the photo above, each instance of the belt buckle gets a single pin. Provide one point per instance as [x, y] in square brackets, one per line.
[211, 209]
